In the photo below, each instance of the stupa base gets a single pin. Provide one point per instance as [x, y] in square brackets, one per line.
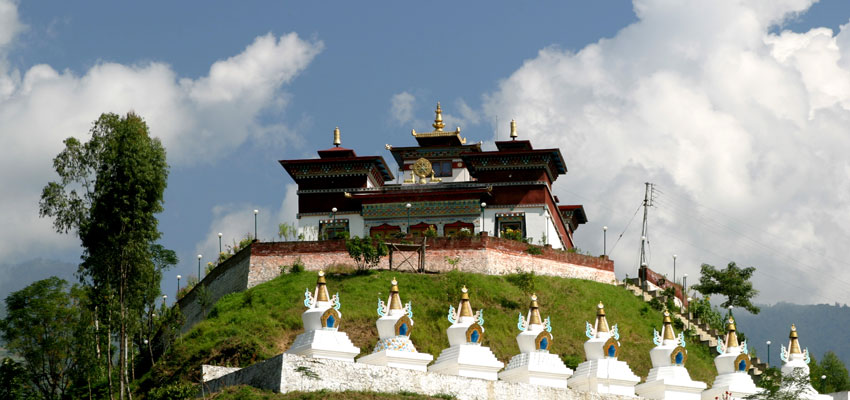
[471, 361]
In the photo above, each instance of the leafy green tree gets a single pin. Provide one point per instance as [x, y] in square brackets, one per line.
[14, 383]
[366, 252]
[40, 327]
[732, 282]
[779, 387]
[286, 230]
[110, 190]
[837, 379]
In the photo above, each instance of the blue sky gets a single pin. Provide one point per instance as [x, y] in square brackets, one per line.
[739, 124]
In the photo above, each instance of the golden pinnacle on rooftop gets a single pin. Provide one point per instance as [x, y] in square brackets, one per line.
[534, 311]
[601, 322]
[438, 121]
[513, 129]
[793, 334]
[395, 300]
[337, 140]
[668, 327]
[794, 347]
[465, 308]
[322, 295]
[600, 310]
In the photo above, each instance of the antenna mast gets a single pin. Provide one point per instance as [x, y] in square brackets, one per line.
[647, 202]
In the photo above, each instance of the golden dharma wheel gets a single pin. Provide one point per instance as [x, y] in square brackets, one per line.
[422, 169]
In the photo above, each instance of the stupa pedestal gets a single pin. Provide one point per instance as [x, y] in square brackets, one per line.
[732, 365]
[603, 372]
[668, 378]
[535, 364]
[796, 361]
[394, 348]
[465, 355]
[322, 337]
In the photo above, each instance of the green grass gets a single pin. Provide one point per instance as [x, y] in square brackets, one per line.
[257, 324]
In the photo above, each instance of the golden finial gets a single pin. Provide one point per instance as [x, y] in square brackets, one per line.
[601, 323]
[465, 308]
[534, 311]
[322, 294]
[395, 301]
[731, 336]
[337, 140]
[668, 327]
[513, 129]
[438, 121]
[795, 344]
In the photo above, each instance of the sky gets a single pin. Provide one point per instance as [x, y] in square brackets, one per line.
[737, 111]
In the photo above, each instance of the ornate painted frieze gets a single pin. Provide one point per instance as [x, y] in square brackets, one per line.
[422, 209]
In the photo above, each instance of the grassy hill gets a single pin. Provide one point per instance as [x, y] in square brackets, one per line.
[243, 328]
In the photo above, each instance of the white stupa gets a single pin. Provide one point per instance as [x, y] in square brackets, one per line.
[668, 378]
[603, 372]
[732, 366]
[535, 364]
[795, 359]
[465, 355]
[394, 348]
[322, 337]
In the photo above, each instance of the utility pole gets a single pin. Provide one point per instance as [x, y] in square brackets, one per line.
[647, 202]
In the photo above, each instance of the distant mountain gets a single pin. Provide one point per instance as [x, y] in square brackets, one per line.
[821, 327]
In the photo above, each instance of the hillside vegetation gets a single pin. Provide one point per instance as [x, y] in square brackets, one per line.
[246, 327]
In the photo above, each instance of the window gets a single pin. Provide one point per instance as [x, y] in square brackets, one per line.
[332, 228]
[442, 168]
[513, 221]
[455, 227]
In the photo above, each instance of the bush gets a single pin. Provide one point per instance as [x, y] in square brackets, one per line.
[522, 280]
[431, 232]
[512, 234]
[463, 233]
[366, 252]
[533, 250]
[297, 266]
[176, 391]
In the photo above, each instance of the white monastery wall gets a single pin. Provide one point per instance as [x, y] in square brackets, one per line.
[286, 373]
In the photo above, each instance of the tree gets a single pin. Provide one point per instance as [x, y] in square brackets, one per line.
[780, 387]
[285, 230]
[366, 252]
[13, 381]
[837, 379]
[732, 282]
[110, 190]
[41, 326]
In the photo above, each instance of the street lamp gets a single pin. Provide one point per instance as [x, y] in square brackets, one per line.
[768, 353]
[219, 243]
[199, 267]
[689, 312]
[674, 268]
[408, 205]
[605, 240]
[483, 204]
[684, 283]
[163, 299]
[255, 223]
[178, 286]
[823, 383]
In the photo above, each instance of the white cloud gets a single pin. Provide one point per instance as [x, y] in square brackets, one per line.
[197, 119]
[401, 107]
[701, 99]
[236, 221]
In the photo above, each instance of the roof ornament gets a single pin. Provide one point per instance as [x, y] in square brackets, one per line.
[438, 121]
[337, 140]
[513, 129]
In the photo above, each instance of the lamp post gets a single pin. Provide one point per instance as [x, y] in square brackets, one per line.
[219, 243]
[768, 353]
[483, 204]
[823, 383]
[199, 267]
[674, 268]
[178, 286]
[407, 206]
[604, 241]
[333, 222]
[684, 283]
[255, 223]
[689, 313]
[164, 297]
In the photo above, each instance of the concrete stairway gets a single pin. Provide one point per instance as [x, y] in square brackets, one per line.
[706, 335]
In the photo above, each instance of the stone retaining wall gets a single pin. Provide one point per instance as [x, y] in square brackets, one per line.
[286, 373]
[261, 262]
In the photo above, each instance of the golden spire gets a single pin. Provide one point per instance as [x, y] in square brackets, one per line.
[534, 312]
[395, 301]
[465, 308]
[731, 336]
[322, 288]
[438, 121]
[601, 323]
[513, 129]
[668, 327]
[795, 345]
[337, 140]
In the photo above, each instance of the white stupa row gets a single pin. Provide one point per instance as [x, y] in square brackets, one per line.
[601, 373]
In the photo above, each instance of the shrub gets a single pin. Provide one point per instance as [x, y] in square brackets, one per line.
[176, 391]
[522, 280]
[512, 234]
[366, 252]
[463, 233]
[431, 232]
[533, 250]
